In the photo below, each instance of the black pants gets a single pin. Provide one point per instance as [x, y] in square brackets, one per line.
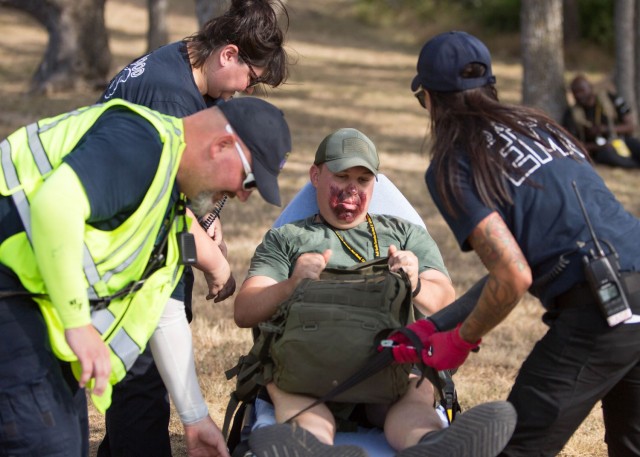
[137, 422]
[138, 419]
[579, 361]
[607, 155]
[42, 411]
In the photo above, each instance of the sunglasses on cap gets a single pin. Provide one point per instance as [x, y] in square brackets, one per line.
[421, 95]
[249, 182]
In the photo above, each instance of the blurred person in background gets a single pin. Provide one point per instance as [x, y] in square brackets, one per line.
[603, 122]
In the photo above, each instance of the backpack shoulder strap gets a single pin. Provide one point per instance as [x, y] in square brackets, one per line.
[252, 372]
[442, 380]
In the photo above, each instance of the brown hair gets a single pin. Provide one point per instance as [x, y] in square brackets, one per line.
[253, 26]
[461, 121]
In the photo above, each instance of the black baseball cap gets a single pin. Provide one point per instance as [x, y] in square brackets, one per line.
[263, 129]
[444, 56]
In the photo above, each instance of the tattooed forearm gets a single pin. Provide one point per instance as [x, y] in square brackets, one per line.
[495, 244]
[509, 276]
[496, 302]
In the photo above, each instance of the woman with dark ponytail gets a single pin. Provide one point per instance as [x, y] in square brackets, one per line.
[253, 27]
[231, 53]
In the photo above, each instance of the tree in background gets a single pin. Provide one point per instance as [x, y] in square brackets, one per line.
[158, 31]
[636, 55]
[542, 56]
[571, 21]
[623, 18]
[77, 53]
[206, 9]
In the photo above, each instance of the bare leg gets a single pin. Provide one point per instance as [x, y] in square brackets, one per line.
[412, 416]
[318, 420]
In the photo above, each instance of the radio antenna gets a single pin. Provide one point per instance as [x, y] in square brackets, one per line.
[586, 218]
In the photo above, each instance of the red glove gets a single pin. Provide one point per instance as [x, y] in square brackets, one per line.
[401, 346]
[448, 350]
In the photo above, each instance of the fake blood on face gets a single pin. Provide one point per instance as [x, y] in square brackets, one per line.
[347, 204]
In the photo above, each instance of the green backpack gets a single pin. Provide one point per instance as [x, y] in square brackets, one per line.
[325, 333]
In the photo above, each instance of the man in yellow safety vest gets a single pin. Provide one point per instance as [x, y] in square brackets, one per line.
[93, 236]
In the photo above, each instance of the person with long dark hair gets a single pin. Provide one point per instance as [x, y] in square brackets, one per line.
[518, 190]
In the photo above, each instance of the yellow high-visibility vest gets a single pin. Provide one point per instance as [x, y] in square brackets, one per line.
[113, 259]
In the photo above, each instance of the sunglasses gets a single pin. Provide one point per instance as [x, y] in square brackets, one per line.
[420, 95]
[249, 182]
[254, 79]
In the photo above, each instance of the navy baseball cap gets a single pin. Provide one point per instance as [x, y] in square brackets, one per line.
[443, 57]
[263, 129]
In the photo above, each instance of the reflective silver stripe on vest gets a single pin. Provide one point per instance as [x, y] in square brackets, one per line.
[44, 127]
[91, 272]
[102, 320]
[37, 150]
[125, 348]
[122, 345]
[22, 204]
[12, 180]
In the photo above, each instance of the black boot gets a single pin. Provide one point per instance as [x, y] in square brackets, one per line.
[285, 440]
[483, 431]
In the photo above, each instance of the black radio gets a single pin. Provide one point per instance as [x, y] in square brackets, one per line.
[603, 274]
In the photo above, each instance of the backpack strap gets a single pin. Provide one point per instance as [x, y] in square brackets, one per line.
[449, 395]
[253, 371]
[442, 380]
[234, 412]
[376, 364]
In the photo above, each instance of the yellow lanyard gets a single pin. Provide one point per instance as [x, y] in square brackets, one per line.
[376, 247]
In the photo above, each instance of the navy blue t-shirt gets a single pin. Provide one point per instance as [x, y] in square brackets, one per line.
[163, 80]
[545, 218]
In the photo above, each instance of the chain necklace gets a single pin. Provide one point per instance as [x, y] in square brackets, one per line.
[358, 256]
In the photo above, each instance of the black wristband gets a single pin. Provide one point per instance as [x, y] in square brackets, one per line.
[416, 291]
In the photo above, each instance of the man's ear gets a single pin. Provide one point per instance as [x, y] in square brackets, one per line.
[314, 174]
[218, 145]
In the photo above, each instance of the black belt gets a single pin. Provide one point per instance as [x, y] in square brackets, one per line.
[581, 293]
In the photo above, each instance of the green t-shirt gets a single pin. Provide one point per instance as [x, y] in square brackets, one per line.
[276, 256]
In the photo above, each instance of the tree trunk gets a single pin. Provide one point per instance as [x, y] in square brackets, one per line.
[543, 56]
[636, 78]
[623, 14]
[571, 21]
[158, 33]
[78, 53]
[207, 9]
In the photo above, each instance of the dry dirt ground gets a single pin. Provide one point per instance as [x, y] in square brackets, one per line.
[346, 75]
